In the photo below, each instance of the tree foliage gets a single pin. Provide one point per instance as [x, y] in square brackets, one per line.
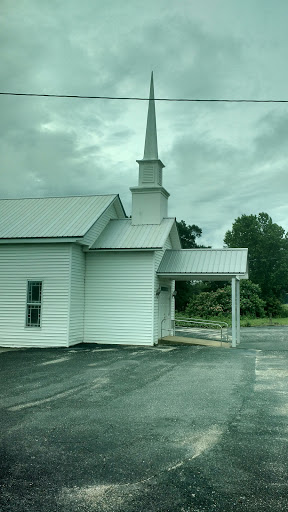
[267, 245]
[188, 235]
[218, 302]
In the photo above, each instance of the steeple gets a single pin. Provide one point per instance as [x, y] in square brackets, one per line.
[149, 198]
[151, 148]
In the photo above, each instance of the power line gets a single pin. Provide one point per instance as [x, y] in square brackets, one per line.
[78, 96]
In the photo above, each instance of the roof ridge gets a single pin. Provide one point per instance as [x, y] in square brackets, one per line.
[146, 223]
[54, 197]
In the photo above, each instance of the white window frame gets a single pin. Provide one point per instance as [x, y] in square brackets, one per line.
[30, 304]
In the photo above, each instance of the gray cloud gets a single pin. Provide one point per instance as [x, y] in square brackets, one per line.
[222, 160]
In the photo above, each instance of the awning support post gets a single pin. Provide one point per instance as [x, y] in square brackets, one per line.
[234, 331]
[238, 310]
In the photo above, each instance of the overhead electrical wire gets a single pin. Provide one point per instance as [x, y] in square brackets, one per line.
[78, 96]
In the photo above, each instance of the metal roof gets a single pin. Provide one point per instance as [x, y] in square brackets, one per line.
[122, 234]
[212, 264]
[51, 217]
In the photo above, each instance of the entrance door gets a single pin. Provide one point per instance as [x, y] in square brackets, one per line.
[164, 311]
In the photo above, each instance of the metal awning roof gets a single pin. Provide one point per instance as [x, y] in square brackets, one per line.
[51, 217]
[122, 234]
[204, 264]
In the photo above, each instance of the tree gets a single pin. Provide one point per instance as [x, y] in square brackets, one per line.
[188, 235]
[267, 245]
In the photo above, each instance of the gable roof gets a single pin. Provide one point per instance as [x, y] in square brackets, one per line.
[51, 217]
[204, 264]
[122, 234]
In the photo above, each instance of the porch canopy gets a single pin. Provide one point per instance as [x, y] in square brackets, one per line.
[209, 265]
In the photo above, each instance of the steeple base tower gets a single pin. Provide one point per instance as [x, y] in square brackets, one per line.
[149, 205]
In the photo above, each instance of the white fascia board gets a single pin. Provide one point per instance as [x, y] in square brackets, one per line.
[175, 238]
[138, 249]
[119, 207]
[242, 276]
[40, 240]
[202, 277]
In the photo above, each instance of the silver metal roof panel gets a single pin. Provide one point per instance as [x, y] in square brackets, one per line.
[192, 263]
[50, 217]
[122, 234]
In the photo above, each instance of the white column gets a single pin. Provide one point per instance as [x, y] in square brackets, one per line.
[238, 309]
[234, 333]
[173, 295]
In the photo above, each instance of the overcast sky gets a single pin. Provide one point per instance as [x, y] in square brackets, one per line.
[222, 160]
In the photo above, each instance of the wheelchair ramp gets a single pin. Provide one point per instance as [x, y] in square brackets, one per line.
[185, 340]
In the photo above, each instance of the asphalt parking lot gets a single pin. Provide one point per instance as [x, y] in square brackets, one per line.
[167, 428]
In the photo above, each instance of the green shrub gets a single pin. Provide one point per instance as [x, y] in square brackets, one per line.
[250, 302]
[275, 308]
[218, 302]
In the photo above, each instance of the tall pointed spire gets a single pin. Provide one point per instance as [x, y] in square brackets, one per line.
[150, 198]
[151, 147]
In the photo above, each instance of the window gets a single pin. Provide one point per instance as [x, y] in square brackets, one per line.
[34, 296]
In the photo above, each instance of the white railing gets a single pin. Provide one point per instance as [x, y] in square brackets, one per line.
[200, 321]
[170, 331]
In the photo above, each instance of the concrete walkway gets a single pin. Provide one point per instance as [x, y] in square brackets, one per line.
[148, 429]
[186, 340]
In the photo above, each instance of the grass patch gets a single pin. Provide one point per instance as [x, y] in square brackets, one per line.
[262, 322]
[245, 321]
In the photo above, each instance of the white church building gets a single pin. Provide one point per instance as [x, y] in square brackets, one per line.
[77, 270]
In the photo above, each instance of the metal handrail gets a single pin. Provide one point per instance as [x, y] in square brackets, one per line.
[206, 322]
[163, 319]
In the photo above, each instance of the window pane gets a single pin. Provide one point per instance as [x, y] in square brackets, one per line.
[33, 316]
[34, 291]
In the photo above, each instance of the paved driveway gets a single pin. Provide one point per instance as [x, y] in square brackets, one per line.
[130, 429]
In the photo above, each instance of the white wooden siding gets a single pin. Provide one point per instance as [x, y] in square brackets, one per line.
[99, 225]
[50, 264]
[157, 258]
[119, 298]
[77, 282]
